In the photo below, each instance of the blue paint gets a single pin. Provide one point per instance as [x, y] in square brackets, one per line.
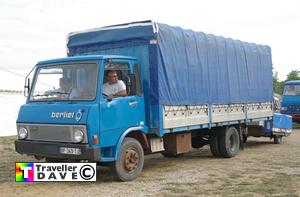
[282, 121]
[109, 120]
[290, 103]
[121, 139]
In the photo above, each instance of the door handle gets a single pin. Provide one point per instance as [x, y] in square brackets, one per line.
[133, 103]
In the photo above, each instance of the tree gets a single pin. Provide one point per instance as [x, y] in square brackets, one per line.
[293, 75]
[277, 85]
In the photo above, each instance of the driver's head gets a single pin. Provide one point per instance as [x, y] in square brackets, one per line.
[112, 76]
[64, 83]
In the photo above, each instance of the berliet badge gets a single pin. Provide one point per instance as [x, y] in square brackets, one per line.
[78, 115]
[69, 115]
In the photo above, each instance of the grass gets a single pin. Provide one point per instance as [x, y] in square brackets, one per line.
[277, 185]
[263, 169]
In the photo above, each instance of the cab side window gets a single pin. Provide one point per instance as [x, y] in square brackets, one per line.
[118, 81]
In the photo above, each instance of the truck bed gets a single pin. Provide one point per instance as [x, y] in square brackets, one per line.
[205, 116]
[188, 78]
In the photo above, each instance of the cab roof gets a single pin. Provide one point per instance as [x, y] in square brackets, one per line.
[295, 82]
[84, 58]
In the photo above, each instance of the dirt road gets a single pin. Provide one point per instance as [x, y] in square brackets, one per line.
[263, 168]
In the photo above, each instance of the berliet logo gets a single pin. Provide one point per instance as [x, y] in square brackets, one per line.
[69, 115]
[78, 115]
[62, 115]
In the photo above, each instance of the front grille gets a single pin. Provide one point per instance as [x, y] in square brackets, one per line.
[294, 109]
[49, 132]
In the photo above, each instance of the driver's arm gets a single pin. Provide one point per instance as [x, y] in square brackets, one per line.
[121, 93]
[122, 89]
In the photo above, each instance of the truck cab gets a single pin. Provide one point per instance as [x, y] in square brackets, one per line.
[291, 100]
[66, 115]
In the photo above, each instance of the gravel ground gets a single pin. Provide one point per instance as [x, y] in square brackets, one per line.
[262, 169]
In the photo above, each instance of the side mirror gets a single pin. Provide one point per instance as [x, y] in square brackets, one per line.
[27, 87]
[27, 83]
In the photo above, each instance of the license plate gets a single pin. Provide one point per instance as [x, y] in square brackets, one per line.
[70, 151]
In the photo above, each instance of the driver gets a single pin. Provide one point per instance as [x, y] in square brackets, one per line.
[64, 85]
[113, 87]
[64, 88]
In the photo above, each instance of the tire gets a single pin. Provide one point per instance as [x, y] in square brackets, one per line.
[277, 139]
[131, 161]
[229, 142]
[245, 138]
[214, 144]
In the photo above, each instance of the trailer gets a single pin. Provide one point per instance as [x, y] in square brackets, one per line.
[184, 90]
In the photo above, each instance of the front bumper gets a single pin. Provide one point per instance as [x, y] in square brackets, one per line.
[51, 149]
[296, 117]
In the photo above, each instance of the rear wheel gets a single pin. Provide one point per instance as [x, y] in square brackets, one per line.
[229, 142]
[131, 161]
[277, 139]
[214, 144]
[245, 139]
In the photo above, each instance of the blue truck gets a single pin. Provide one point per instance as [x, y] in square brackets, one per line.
[184, 90]
[290, 103]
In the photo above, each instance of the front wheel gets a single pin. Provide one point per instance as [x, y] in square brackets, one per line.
[131, 161]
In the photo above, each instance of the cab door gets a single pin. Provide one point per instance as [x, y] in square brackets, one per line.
[119, 113]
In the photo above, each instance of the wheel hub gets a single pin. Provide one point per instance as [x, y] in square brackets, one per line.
[131, 159]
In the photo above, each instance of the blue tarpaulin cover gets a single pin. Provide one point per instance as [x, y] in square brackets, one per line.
[183, 67]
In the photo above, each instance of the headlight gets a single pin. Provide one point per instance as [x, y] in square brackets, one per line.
[78, 135]
[23, 133]
[283, 108]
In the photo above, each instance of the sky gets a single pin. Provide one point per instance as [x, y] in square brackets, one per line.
[34, 30]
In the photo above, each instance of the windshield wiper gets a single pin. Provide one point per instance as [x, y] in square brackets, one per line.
[67, 93]
[51, 94]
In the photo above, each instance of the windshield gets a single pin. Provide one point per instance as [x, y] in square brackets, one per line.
[292, 90]
[76, 81]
